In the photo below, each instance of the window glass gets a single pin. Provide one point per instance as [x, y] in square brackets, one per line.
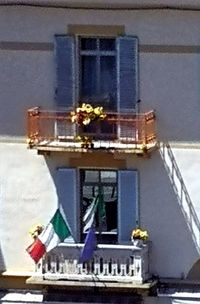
[89, 76]
[98, 72]
[108, 176]
[88, 44]
[108, 82]
[91, 176]
[107, 44]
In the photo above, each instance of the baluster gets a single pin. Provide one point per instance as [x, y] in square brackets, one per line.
[138, 267]
[123, 269]
[105, 268]
[80, 269]
[67, 266]
[54, 264]
[114, 268]
[97, 266]
[70, 266]
[39, 266]
[132, 267]
[88, 267]
[46, 264]
[75, 266]
[61, 265]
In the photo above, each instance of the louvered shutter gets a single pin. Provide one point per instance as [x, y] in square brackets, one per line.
[127, 203]
[65, 55]
[66, 185]
[127, 59]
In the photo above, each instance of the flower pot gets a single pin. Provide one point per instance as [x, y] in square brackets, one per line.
[137, 242]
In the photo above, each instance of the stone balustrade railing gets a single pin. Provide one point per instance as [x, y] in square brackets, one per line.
[118, 263]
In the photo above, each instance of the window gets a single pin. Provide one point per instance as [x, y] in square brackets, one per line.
[98, 77]
[99, 70]
[99, 193]
[77, 188]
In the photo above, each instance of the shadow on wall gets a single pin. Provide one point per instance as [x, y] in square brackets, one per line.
[181, 192]
[194, 273]
[2, 262]
[171, 211]
[169, 217]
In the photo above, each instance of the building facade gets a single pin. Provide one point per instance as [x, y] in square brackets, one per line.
[140, 62]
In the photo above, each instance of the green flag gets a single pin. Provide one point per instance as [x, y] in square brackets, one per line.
[101, 207]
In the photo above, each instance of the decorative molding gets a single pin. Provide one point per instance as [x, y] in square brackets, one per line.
[13, 139]
[99, 30]
[174, 49]
[26, 46]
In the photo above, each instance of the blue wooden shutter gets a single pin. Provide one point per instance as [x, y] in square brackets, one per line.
[66, 184]
[127, 203]
[127, 62]
[65, 90]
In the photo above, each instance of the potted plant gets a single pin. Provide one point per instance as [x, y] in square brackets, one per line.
[138, 236]
[86, 113]
[36, 230]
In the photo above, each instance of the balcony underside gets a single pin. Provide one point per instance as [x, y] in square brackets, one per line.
[144, 289]
[100, 146]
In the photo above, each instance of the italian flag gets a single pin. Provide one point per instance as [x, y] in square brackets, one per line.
[56, 232]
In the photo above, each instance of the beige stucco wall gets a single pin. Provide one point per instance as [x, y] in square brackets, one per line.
[169, 83]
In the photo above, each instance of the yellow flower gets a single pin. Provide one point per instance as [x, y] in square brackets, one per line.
[139, 233]
[98, 110]
[88, 108]
[86, 121]
[36, 230]
[102, 116]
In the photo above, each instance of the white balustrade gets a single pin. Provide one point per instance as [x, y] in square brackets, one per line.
[112, 263]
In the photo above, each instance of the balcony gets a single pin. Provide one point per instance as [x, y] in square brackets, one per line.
[127, 133]
[117, 266]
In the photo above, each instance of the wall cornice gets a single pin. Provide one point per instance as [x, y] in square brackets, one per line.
[110, 4]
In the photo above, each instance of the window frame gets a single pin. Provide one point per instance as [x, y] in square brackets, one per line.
[106, 236]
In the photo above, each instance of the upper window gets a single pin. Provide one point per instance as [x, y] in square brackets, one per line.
[100, 70]
[98, 77]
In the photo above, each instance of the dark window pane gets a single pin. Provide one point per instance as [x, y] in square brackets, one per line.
[88, 44]
[108, 82]
[107, 44]
[89, 77]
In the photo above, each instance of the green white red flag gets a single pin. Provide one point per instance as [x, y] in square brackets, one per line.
[57, 231]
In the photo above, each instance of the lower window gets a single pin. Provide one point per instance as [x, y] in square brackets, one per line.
[99, 204]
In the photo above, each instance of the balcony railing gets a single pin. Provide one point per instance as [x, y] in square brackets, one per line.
[111, 263]
[53, 130]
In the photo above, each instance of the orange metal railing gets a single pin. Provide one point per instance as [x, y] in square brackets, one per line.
[117, 127]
